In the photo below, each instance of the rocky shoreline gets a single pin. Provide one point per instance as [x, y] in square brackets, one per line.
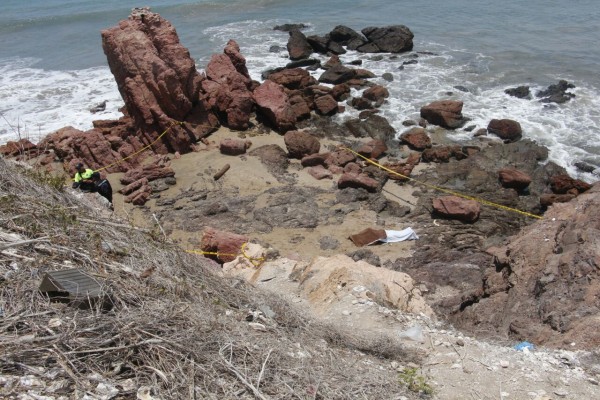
[292, 182]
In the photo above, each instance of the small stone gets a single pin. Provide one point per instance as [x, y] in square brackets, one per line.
[504, 364]
[394, 364]
[257, 326]
[460, 342]
[593, 381]
[346, 312]
[456, 366]
[561, 393]
[504, 394]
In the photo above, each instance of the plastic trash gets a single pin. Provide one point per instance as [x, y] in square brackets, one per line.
[413, 333]
[524, 346]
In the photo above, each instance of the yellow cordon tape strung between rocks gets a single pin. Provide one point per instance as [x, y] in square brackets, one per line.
[256, 261]
[464, 196]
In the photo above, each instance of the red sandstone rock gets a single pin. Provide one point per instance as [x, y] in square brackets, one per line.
[446, 113]
[234, 147]
[455, 207]
[561, 184]
[140, 196]
[92, 148]
[372, 149]
[150, 172]
[319, 172]
[512, 178]
[376, 93]
[300, 144]
[416, 138]
[293, 78]
[314, 159]
[505, 129]
[227, 244]
[133, 186]
[339, 158]
[228, 87]
[12, 149]
[352, 168]
[443, 154]
[158, 81]
[547, 199]
[326, 105]
[352, 180]
[275, 105]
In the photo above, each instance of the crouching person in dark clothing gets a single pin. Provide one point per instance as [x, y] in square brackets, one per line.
[102, 186]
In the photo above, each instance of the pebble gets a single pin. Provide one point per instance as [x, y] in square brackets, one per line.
[504, 364]
[460, 342]
[561, 393]
[257, 326]
[346, 312]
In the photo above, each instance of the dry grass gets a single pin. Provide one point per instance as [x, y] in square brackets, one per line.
[179, 333]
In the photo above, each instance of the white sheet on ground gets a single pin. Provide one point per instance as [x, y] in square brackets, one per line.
[399, 236]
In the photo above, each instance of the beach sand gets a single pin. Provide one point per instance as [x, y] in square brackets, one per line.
[248, 176]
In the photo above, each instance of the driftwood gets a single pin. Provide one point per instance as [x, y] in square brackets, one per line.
[219, 174]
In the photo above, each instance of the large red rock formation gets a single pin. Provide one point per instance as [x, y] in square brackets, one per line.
[158, 81]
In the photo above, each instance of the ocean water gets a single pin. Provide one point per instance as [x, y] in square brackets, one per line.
[53, 69]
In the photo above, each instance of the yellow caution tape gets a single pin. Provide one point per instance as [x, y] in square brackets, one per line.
[464, 196]
[256, 261]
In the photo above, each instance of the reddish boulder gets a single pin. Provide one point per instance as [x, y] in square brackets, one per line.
[340, 92]
[319, 172]
[505, 129]
[140, 196]
[93, 149]
[443, 154]
[337, 74]
[158, 81]
[400, 171]
[227, 245]
[561, 184]
[150, 172]
[340, 158]
[234, 147]
[352, 168]
[455, 207]
[13, 149]
[512, 178]
[228, 87]
[293, 78]
[376, 93]
[358, 181]
[326, 105]
[547, 199]
[445, 113]
[301, 107]
[274, 104]
[133, 186]
[232, 50]
[300, 144]
[372, 149]
[297, 46]
[314, 159]
[416, 138]
[361, 103]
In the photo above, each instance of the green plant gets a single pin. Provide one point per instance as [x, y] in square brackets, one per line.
[415, 382]
[55, 181]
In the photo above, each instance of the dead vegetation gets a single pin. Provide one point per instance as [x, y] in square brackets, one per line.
[171, 327]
